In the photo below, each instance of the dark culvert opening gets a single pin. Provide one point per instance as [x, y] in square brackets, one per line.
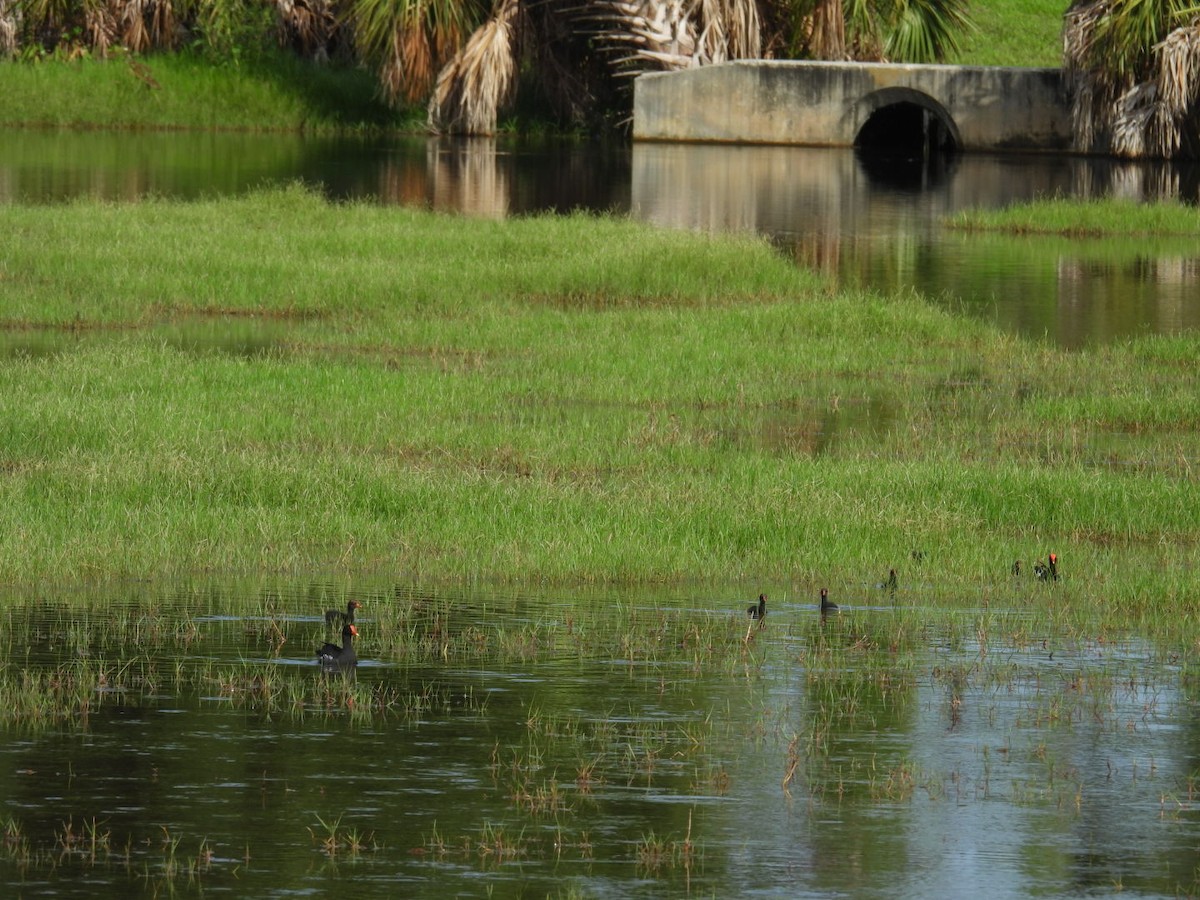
[905, 145]
[905, 129]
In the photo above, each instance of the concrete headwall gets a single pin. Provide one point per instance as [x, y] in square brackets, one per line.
[826, 103]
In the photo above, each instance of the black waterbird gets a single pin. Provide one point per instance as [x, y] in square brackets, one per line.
[332, 615]
[758, 610]
[827, 605]
[892, 583]
[331, 656]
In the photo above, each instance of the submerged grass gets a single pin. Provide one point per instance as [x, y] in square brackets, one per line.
[1023, 686]
[587, 400]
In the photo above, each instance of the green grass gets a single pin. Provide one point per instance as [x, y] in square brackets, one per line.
[1014, 33]
[1089, 218]
[588, 400]
[276, 92]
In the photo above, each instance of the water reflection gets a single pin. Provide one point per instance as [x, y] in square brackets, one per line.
[878, 222]
[480, 177]
[539, 742]
[868, 221]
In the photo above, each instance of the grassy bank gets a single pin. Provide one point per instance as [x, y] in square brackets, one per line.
[275, 383]
[279, 91]
[1083, 218]
[1014, 33]
[275, 92]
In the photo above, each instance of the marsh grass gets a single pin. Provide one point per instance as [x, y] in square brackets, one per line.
[826, 706]
[588, 401]
[335, 840]
[1084, 218]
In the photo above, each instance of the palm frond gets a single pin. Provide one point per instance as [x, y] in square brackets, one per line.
[132, 24]
[926, 32]
[10, 27]
[410, 40]
[1178, 70]
[731, 29]
[1133, 113]
[471, 88]
[1134, 72]
[308, 26]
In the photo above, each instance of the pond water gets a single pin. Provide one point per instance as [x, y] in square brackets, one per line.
[877, 223]
[593, 743]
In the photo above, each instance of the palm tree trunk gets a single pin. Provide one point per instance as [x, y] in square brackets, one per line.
[829, 30]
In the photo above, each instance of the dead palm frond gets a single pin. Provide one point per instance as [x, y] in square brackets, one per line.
[131, 16]
[649, 35]
[410, 40]
[1133, 113]
[1134, 72]
[730, 29]
[1178, 70]
[166, 26]
[54, 22]
[10, 27]
[481, 77]
[307, 26]
[645, 34]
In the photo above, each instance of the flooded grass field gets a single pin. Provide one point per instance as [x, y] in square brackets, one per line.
[579, 460]
[632, 742]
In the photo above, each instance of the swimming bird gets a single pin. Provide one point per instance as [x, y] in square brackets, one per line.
[827, 605]
[758, 610]
[1053, 567]
[1040, 571]
[892, 583]
[332, 615]
[331, 656]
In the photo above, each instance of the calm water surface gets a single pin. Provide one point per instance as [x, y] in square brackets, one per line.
[597, 749]
[872, 223]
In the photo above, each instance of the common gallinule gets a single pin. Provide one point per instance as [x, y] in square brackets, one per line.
[334, 657]
[332, 615]
[827, 605]
[758, 610]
